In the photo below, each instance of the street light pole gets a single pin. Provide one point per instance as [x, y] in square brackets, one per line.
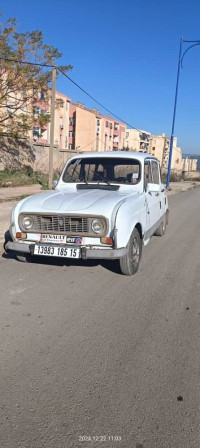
[174, 115]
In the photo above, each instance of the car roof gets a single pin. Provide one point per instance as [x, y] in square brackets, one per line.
[141, 156]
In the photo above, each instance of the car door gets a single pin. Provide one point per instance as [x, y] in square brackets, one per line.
[152, 176]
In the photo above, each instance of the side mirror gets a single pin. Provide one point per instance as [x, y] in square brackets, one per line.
[153, 188]
[55, 183]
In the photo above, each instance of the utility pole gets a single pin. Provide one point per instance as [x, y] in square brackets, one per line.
[53, 99]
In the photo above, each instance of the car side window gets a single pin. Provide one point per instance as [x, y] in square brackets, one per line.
[147, 174]
[155, 172]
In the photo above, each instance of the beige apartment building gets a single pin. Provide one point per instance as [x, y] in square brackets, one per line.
[61, 127]
[91, 131]
[189, 164]
[137, 140]
[159, 147]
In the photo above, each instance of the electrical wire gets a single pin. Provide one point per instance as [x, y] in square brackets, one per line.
[28, 63]
[75, 83]
[90, 96]
[81, 147]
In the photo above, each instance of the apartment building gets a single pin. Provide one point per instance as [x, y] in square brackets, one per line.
[91, 131]
[41, 134]
[189, 164]
[137, 140]
[159, 147]
[61, 128]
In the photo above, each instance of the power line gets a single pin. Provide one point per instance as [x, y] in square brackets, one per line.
[81, 147]
[25, 62]
[90, 96]
[77, 85]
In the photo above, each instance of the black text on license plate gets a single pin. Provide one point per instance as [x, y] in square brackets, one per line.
[56, 251]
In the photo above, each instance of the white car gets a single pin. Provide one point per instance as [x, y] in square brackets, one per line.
[105, 206]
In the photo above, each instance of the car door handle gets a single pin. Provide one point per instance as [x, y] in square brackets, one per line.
[156, 194]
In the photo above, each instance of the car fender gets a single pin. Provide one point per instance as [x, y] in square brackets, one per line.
[131, 212]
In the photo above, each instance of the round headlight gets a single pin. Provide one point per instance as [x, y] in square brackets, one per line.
[98, 226]
[27, 222]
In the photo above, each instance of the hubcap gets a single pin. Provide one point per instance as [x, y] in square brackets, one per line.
[135, 256]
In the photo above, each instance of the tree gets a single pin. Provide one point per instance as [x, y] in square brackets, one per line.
[23, 85]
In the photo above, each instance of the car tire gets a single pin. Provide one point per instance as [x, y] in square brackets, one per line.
[7, 238]
[162, 227]
[129, 264]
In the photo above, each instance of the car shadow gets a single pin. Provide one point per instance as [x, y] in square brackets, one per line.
[109, 265]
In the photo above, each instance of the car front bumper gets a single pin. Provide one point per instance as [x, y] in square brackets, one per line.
[85, 252]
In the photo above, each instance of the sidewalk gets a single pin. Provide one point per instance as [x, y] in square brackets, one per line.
[8, 198]
[8, 193]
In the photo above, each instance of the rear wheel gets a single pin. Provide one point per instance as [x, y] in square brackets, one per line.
[162, 227]
[129, 264]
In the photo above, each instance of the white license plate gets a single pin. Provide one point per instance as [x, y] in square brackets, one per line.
[56, 251]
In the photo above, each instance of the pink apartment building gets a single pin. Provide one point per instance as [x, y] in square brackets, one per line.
[61, 130]
[91, 131]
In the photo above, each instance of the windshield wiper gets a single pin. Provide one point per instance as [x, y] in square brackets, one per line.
[100, 177]
[78, 180]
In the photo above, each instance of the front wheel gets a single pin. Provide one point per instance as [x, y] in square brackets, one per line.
[129, 264]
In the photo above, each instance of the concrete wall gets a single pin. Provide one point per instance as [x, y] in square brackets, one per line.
[41, 163]
[16, 154]
[191, 175]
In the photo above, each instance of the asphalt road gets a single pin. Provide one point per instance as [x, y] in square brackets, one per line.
[88, 352]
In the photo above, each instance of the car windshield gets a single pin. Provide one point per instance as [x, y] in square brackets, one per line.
[103, 169]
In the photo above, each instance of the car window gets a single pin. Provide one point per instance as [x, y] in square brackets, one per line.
[155, 172]
[147, 174]
[99, 169]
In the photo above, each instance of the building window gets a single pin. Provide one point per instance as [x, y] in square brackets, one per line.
[106, 124]
[71, 134]
[71, 121]
[43, 94]
[36, 110]
[98, 122]
[110, 125]
[36, 132]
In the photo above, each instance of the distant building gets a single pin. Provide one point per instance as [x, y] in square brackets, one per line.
[159, 147]
[91, 131]
[41, 135]
[189, 164]
[137, 140]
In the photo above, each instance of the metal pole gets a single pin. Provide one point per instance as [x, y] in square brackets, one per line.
[53, 98]
[174, 116]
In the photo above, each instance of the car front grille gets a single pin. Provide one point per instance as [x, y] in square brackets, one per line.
[60, 224]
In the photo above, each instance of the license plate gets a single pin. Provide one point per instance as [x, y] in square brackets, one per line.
[56, 251]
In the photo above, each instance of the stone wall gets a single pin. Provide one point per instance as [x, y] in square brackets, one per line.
[17, 153]
[191, 175]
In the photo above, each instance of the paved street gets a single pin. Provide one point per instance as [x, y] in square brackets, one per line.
[88, 352]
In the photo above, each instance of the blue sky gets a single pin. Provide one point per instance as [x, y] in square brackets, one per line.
[125, 54]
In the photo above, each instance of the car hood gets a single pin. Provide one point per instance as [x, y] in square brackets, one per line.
[92, 202]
